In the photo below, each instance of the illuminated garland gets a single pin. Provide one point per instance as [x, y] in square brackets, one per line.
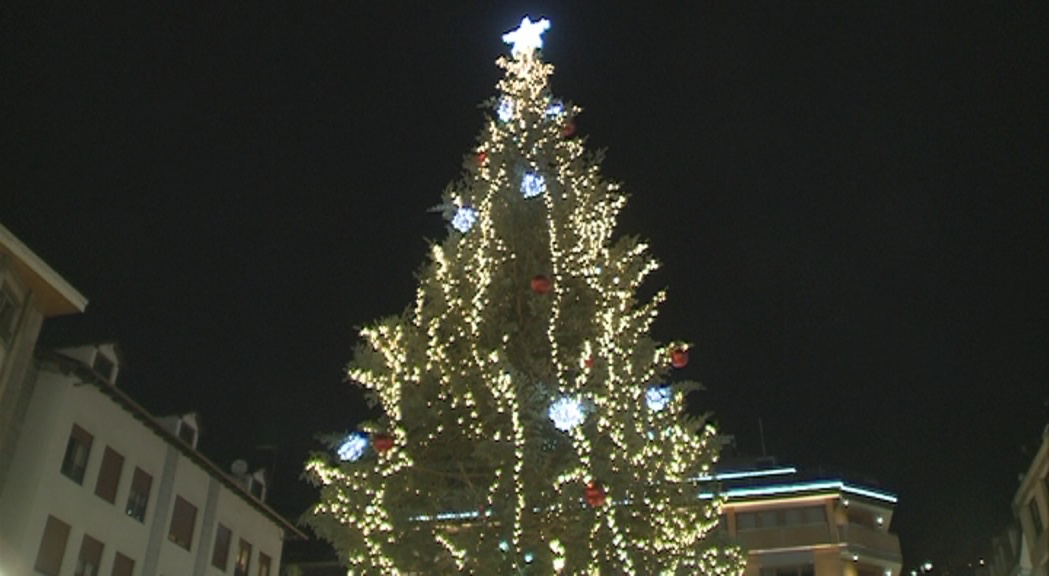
[503, 405]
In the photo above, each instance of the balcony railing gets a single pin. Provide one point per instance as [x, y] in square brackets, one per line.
[858, 538]
[787, 537]
[885, 544]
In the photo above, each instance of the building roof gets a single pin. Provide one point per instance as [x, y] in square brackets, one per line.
[89, 376]
[54, 296]
[776, 481]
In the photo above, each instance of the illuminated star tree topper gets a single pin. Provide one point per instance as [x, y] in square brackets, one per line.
[527, 37]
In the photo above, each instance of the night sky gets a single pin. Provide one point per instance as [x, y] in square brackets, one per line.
[850, 203]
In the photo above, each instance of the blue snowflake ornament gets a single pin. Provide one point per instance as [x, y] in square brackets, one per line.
[532, 185]
[353, 447]
[567, 413]
[657, 397]
[464, 219]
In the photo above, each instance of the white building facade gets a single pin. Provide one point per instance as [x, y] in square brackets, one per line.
[30, 292]
[99, 486]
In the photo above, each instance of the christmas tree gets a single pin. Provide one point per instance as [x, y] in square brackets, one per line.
[529, 424]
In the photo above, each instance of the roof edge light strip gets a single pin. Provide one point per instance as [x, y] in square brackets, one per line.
[802, 487]
[747, 474]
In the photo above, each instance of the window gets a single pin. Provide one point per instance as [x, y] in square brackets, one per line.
[109, 475]
[220, 553]
[90, 556]
[815, 515]
[77, 449]
[256, 487]
[9, 307]
[103, 365]
[1036, 516]
[138, 498]
[746, 521]
[187, 433]
[52, 547]
[768, 519]
[243, 559]
[183, 517]
[264, 565]
[122, 565]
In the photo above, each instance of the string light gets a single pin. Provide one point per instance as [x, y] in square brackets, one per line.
[479, 362]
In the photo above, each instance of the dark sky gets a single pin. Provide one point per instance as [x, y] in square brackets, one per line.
[850, 203]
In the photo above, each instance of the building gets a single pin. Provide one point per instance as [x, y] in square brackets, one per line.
[30, 291]
[98, 485]
[1031, 508]
[792, 525]
[1008, 552]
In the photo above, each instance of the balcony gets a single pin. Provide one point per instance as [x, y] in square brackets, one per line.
[786, 537]
[855, 537]
[879, 543]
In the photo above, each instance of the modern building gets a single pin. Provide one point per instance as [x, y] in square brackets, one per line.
[98, 485]
[30, 291]
[796, 525]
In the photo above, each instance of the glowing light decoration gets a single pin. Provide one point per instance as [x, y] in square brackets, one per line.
[567, 413]
[505, 109]
[464, 365]
[527, 37]
[353, 447]
[657, 397]
[464, 219]
[532, 185]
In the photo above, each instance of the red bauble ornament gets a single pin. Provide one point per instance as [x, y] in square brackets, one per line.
[481, 157]
[679, 357]
[568, 129]
[382, 442]
[595, 494]
[589, 362]
[540, 284]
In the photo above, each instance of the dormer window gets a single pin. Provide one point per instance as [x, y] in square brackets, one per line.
[257, 489]
[256, 484]
[187, 433]
[103, 366]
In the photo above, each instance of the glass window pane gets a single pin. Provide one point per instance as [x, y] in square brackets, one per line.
[78, 447]
[109, 475]
[183, 519]
[52, 547]
[220, 555]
